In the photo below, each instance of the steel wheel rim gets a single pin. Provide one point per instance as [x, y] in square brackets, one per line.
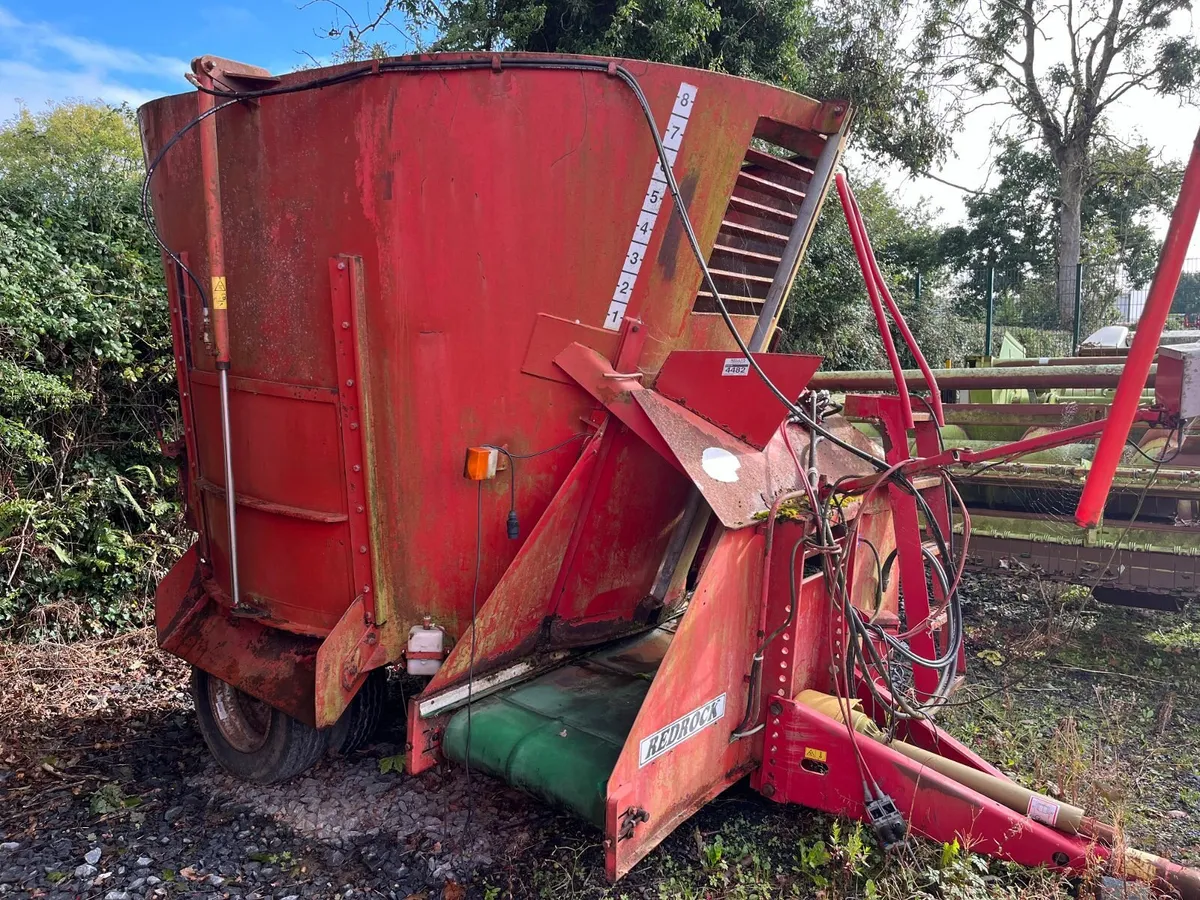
[244, 722]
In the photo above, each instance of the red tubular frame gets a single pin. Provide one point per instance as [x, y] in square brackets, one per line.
[214, 232]
[1016, 448]
[862, 251]
[898, 317]
[1145, 346]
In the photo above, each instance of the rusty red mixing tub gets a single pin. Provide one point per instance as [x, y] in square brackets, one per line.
[486, 399]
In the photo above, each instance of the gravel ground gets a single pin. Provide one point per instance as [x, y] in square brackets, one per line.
[107, 791]
[120, 805]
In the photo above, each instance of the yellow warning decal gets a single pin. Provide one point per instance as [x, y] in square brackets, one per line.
[218, 292]
[815, 755]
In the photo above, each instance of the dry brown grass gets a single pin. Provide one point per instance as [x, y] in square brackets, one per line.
[51, 688]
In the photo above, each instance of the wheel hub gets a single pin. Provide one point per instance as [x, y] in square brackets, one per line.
[244, 721]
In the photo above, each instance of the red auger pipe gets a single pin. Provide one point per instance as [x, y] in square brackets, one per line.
[885, 333]
[935, 396]
[1144, 347]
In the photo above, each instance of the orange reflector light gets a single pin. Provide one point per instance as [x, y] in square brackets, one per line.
[481, 463]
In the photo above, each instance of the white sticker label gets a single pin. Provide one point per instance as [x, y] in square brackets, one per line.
[654, 746]
[652, 203]
[736, 365]
[654, 197]
[633, 258]
[616, 312]
[1043, 810]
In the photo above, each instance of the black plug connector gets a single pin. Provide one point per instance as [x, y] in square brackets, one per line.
[886, 822]
[514, 527]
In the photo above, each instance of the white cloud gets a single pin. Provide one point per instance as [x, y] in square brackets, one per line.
[40, 63]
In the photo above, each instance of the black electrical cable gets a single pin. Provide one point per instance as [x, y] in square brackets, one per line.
[145, 195]
[1163, 458]
[560, 444]
[471, 661]
[514, 527]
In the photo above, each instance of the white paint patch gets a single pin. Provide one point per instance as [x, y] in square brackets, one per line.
[720, 465]
[652, 203]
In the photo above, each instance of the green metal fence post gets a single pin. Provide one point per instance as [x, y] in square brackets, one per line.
[1078, 308]
[991, 303]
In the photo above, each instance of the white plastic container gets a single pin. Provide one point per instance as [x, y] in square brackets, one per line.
[429, 641]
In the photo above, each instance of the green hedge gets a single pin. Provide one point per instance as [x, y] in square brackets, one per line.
[89, 517]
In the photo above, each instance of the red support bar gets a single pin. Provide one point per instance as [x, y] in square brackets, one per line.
[1145, 346]
[935, 395]
[862, 251]
[214, 230]
[962, 456]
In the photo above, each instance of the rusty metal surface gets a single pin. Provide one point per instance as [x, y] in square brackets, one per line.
[267, 663]
[344, 659]
[481, 180]
[1153, 561]
[721, 388]
[709, 657]
[731, 475]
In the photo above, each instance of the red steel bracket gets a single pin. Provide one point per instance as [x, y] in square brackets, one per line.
[346, 285]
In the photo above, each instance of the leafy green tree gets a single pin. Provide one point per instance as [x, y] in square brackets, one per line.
[1011, 229]
[1061, 65]
[1187, 295]
[88, 520]
[825, 50]
[828, 312]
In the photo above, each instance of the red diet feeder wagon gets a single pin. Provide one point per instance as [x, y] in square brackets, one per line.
[473, 370]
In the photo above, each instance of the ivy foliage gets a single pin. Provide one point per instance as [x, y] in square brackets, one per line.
[89, 518]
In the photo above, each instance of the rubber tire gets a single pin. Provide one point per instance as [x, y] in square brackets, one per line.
[360, 721]
[291, 746]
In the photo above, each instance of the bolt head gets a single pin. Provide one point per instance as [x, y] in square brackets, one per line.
[768, 790]
[349, 382]
[341, 266]
[345, 324]
[776, 708]
[362, 549]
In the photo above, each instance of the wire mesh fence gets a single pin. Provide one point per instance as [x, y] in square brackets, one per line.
[1011, 311]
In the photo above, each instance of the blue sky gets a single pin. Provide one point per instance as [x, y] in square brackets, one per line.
[134, 50]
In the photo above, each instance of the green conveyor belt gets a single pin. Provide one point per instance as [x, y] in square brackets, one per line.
[558, 736]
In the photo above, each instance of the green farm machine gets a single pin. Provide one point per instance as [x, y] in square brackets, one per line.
[1146, 550]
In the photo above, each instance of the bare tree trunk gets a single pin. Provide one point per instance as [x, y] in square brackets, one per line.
[1070, 230]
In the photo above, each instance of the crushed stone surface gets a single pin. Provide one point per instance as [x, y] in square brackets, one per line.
[126, 803]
